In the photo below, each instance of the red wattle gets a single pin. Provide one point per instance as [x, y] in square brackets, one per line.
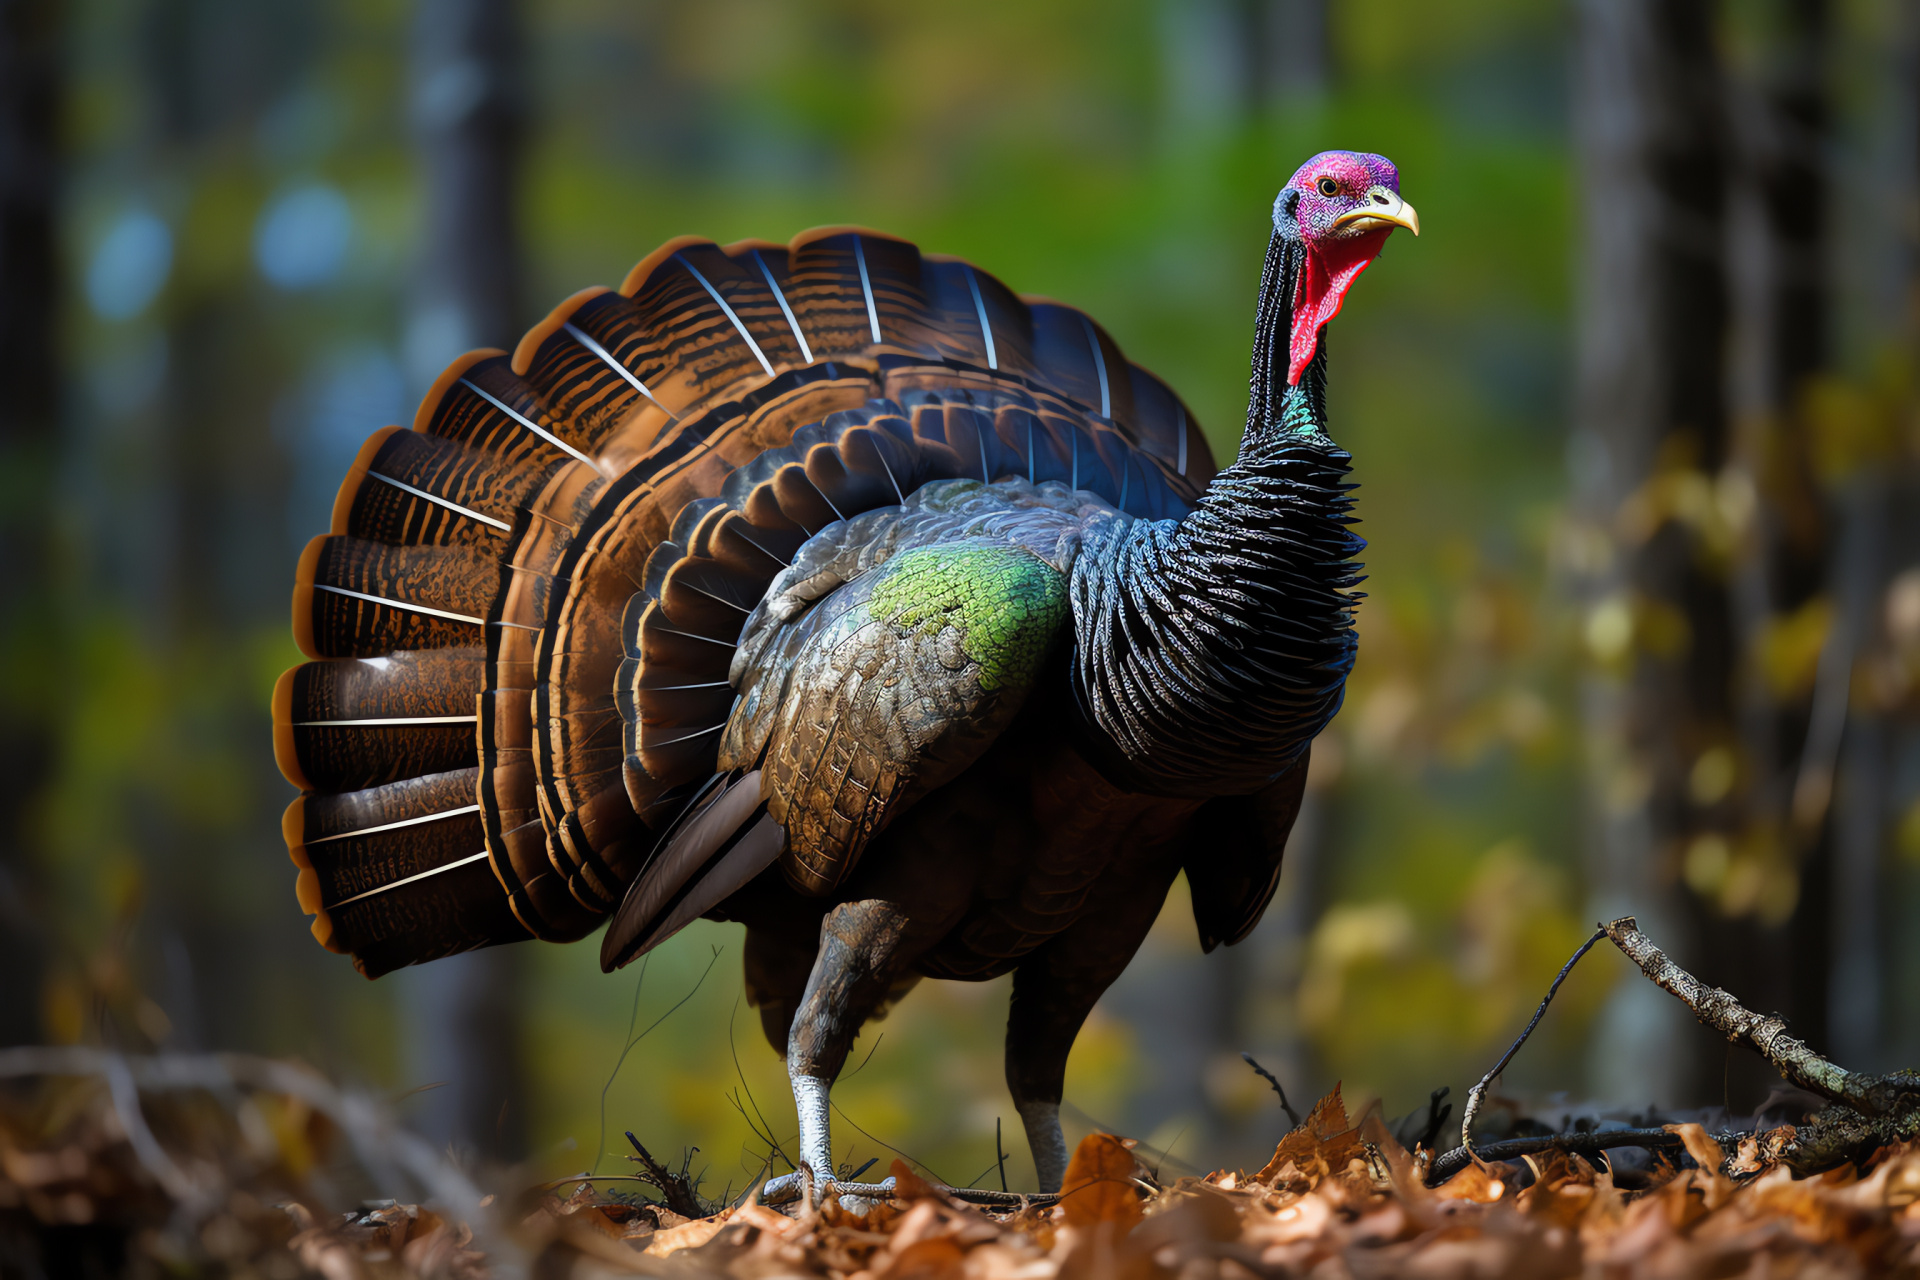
[1331, 268]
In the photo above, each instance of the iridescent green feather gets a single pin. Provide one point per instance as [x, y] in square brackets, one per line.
[1006, 604]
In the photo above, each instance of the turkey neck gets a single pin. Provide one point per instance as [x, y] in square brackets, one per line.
[1210, 650]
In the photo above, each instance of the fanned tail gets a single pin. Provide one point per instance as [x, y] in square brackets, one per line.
[522, 617]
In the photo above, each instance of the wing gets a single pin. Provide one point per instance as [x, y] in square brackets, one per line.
[893, 685]
[1233, 856]
[880, 665]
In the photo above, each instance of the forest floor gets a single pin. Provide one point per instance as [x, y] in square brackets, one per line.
[231, 1166]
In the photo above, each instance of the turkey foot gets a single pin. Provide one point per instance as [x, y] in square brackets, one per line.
[860, 956]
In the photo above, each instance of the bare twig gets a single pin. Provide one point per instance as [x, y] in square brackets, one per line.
[1000, 1199]
[1479, 1091]
[1436, 1116]
[1292, 1116]
[772, 1143]
[633, 1040]
[936, 1179]
[1765, 1035]
[152, 1156]
[999, 1153]
[674, 1186]
[1580, 1144]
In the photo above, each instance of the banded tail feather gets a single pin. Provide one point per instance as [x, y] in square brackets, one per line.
[523, 615]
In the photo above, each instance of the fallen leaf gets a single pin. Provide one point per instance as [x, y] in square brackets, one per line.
[908, 1185]
[938, 1258]
[1325, 1141]
[1475, 1183]
[1099, 1184]
[1709, 1155]
[777, 1225]
[688, 1236]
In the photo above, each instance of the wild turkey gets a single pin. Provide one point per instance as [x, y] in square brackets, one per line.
[835, 589]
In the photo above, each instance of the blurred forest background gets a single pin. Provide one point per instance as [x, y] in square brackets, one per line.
[1636, 424]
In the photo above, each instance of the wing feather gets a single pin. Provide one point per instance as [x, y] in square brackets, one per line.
[1233, 857]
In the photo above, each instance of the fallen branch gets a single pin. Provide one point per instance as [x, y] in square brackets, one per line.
[1869, 1110]
[1872, 1096]
[1579, 1144]
[1002, 1200]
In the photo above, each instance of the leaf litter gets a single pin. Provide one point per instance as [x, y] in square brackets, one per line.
[224, 1166]
[1339, 1198]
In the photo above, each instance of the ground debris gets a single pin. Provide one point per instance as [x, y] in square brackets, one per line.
[1339, 1197]
[219, 1165]
[1343, 1198]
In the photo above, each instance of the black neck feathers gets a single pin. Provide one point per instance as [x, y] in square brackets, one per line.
[1210, 650]
[1274, 409]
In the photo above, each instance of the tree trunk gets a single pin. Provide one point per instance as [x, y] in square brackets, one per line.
[29, 442]
[1231, 62]
[1286, 51]
[1874, 243]
[1774, 948]
[1652, 321]
[463, 1018]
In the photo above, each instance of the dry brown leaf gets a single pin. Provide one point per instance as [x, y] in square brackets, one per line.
[936, 1258]
[1103, 1251]
[908, 1185]
[1705, 1151]
[689, 1236]
[1476, 1183]
[1340, 1202]
[777, 1225]
[1714, 1186]
[1323, 1144]
[1099, 1184]
[1190, 1210]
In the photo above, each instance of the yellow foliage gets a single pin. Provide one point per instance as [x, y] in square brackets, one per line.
[1348, 935]
[1788, 649]
[1712, 776]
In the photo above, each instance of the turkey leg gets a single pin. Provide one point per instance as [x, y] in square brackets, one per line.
[860, 956]
[1054, 990]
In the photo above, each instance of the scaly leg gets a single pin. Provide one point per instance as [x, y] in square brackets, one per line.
[1054, 990]
[860, 955]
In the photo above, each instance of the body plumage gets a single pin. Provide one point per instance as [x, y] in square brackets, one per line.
[838, 591]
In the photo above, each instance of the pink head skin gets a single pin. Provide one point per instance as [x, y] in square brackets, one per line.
[1344, 204]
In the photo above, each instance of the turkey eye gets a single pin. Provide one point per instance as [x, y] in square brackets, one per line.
[1328, 187]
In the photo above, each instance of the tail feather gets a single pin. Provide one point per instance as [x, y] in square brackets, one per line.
[357, 851]
[591, 364]
[820, 279]
[344, 725]
[356, 599]
[539, 896]
[413, 490]
[481, 402]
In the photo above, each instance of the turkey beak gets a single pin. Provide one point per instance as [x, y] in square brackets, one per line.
[1384, 208]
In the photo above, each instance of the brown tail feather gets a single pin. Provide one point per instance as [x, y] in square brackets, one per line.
[397, 869]
[357, 599]
[413, 489]
[342, 725]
